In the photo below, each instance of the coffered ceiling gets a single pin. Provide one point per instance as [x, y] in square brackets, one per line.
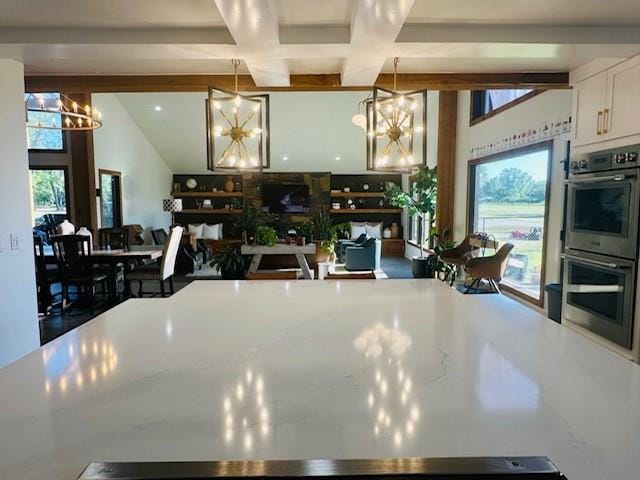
[276, 38]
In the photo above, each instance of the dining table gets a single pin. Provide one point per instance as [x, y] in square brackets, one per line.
[111, 257]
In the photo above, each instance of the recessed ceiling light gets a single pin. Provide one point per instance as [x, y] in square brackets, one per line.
[157, 108]
[337, 157]
[285, 158]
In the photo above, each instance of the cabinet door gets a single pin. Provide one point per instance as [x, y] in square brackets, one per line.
[588, 110]
[623, 100]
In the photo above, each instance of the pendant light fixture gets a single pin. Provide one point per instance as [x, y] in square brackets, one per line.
[237, 129]
[396, 128]
[56, 111]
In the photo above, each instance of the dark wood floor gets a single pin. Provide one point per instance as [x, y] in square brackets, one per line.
[57, 322]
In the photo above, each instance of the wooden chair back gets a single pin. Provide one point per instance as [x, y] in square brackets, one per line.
[72, 254]
[114, 238]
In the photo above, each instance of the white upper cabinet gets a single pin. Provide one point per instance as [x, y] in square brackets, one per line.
[622, 112]
[589, 98]
[606, 106]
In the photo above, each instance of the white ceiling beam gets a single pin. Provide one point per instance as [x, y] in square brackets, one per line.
[254, 27]
[567, 35]
[375, 25]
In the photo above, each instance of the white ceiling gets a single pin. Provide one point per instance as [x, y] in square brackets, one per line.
[276, 38]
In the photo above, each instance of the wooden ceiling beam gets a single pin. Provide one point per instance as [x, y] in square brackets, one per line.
[327, 82]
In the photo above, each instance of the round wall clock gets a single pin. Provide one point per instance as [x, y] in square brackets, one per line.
[191, 183]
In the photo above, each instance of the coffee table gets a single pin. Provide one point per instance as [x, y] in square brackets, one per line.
[299, 251]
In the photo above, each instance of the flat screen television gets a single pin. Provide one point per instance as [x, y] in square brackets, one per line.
[279, 198]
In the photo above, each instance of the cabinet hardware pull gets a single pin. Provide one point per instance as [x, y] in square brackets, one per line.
[599, 129]
[605, 129]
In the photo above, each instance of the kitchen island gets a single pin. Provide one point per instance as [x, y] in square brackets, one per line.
[334, 370]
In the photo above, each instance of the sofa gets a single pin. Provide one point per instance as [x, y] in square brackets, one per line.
[365, 256]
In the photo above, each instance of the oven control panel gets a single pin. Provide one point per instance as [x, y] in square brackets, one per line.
[626, 157]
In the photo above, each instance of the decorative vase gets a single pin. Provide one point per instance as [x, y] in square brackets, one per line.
[229, 185]
[395, 230]
[66, 228]
[85, 232]
[386, 233]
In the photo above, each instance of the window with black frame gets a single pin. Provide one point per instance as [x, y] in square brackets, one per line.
[48, 137]
[508, 197]
[486, 103]
[49, 194]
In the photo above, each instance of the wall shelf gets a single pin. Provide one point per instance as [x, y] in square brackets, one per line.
[211, 211]
[207, 194]
[348, 211]
[357, 194]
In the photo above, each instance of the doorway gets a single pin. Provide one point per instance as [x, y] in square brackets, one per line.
[110, 198]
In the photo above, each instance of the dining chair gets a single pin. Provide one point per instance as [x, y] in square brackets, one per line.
[46, 275]
[159, 272]
[456, 257]
[115, 238]
[159, 236]
[73, 256]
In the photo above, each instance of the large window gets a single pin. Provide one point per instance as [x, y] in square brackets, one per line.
[49, 193]
[508, 201]
[49, 138]
[486, 103]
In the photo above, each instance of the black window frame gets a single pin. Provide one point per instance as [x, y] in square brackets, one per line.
[546, 145]
[478, 111]
[63, 133]
[67, 190]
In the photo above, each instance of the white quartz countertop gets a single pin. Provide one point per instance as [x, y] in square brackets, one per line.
[333, 369]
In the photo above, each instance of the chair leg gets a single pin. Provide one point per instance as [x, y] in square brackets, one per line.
[92, 292]
[171, 289]
[473, 285]
[140, 293]
[162, 288]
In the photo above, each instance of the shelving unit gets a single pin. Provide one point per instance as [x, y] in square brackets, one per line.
[356, 211]
[357, 194]
[195, 194]
[212, 211]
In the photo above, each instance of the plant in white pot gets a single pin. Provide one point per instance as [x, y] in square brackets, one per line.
[421, 203]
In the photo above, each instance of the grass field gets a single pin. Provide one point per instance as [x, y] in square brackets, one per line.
[501, 220]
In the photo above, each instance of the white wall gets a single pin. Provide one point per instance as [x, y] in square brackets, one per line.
[146, 179]
[19, 332]
[549, 106]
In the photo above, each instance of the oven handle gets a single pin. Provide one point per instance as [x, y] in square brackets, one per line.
[607, 178]
[611, 265]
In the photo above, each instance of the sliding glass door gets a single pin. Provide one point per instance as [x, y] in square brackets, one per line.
[508, 195]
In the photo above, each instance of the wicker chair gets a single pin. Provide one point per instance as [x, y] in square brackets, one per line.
[459, 256]
[489, 268]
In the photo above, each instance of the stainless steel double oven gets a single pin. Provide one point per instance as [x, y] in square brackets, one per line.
[601, 254]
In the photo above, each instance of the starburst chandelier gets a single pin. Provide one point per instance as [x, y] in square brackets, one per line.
[395, 122]
[237, 129]
[56, 111]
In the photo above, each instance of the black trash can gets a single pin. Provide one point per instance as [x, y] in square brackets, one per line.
[554, 298]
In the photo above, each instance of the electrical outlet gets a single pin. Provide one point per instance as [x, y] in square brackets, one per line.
[15, 245]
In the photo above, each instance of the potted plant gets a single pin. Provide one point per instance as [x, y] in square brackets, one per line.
[305, 230]
[248, 222]
[230, 262]
[322, 223]
[420, 203]
[266, 236]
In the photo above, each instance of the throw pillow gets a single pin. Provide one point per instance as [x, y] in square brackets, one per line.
[357, 229]
[211, 232]
[374, 230]
[197, 229]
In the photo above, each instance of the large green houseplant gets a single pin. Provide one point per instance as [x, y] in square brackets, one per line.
[231, 263]
[420, 202]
